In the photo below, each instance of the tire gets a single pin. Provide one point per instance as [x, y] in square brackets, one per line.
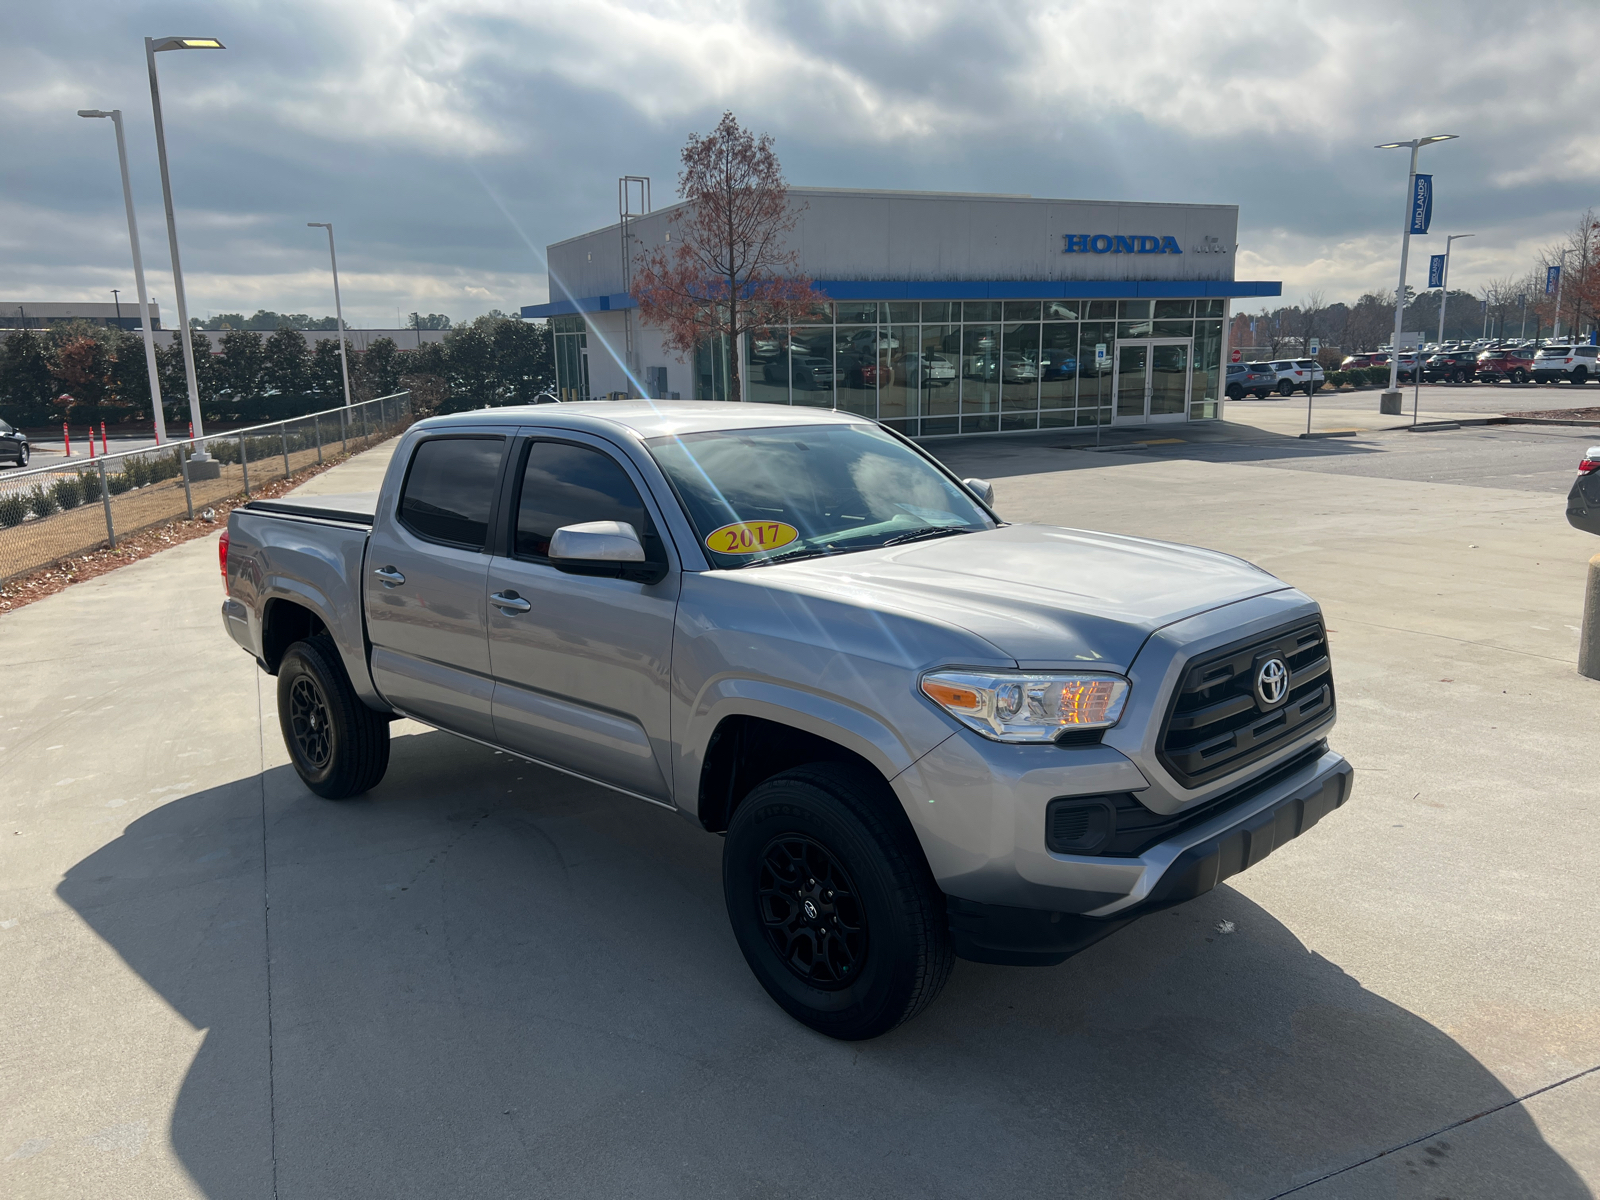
[339, 746]
[885, 945]
[1519, 376]
[1286, 389]
[1580, 376]
[1234, 392]
[22, 456]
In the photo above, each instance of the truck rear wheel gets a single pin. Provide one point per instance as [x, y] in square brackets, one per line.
[339, 746]
[832, 903]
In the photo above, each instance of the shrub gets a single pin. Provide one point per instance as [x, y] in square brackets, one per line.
[66, 492]
[1378, 376]
[13, 509]
[42, 503]
[118, 483]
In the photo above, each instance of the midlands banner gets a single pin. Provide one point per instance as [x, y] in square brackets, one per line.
[1421, 203]
[1435, 270]
[1551, 278]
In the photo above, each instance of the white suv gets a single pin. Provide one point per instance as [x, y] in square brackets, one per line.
[1297, 375]
[1573, 363]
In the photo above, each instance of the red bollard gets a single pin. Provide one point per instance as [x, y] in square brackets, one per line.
[191, 431]
[66, 438]
[103, 449]
[91, 441]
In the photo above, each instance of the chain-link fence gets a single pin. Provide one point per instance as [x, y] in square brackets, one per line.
[54, 512]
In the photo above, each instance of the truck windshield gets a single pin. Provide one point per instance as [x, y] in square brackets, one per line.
[761, 495]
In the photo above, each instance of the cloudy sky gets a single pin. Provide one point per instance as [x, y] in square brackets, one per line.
[451, 140]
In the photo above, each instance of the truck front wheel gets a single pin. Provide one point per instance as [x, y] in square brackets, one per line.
[832, 903]
[339, 746]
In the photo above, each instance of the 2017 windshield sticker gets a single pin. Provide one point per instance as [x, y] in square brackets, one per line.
[751, 537]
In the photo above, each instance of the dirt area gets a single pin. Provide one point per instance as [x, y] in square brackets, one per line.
[89, 564]
[1563, 414]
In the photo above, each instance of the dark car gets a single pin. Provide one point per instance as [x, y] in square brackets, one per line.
[1505, 364]
[1244, 379]
[805, 373]
[14, 444]
[1583, 501]
[1451, 366]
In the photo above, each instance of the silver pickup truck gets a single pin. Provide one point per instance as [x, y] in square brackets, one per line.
[924, 732]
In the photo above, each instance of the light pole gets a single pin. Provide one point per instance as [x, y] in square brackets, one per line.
[1415, 144]
[138, 270]
[338, 310]
[1444, 280]
[151, 47]
[1561, 278]
[116, 298]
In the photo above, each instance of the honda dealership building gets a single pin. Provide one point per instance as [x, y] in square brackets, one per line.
[946, 313]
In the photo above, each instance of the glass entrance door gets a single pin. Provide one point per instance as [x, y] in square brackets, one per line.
[1152, 383]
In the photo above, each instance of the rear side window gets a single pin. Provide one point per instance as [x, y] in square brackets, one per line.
[563, 484]
[449, 488]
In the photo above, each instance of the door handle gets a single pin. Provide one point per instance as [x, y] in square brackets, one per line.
[391, 577]
[509, 603]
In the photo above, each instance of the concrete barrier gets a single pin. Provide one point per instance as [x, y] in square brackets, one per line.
[1389, 404]
[1589, 639]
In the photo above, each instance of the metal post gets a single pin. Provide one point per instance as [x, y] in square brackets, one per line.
[338, 308]
[105, 499]
[344, 431]
[172, 242]
[1400, 292]
[1561, 278]
[283, 432]
[365, 436]
[317, 422]
[244, 464]
[183, 466]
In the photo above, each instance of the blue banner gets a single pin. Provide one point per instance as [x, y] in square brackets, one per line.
[1421, 202]
[1552, 277]
[1436, 271]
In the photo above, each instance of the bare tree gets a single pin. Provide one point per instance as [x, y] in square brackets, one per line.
[726, 272]
[1310, 310]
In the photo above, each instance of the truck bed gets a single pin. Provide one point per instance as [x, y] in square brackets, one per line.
[354, 508]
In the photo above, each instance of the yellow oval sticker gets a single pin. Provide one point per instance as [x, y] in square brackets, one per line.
[751, 537]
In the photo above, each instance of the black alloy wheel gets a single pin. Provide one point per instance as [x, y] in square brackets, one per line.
[832, 902]
[1519, 376]
[811, 911]
[339, 746]
[1235, 392]
[22, 455]
[1580, 376]
[1286, 389]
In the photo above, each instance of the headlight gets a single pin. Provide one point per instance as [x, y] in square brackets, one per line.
[1027, 706]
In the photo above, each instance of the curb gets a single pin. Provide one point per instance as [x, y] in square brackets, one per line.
[1330, 433]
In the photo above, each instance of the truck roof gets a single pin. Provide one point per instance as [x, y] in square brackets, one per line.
[651, 418]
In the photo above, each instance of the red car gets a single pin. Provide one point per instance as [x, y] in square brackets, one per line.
[1505, 364]
[1360, 362]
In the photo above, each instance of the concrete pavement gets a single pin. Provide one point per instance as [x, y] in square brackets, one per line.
[487, 980]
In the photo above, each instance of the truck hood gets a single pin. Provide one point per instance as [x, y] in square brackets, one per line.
[1039, 594]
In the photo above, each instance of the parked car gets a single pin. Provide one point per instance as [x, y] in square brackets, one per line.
[806, 372]
[1583, 501]
[1504, 364]
[924, 732]
[926, 370]
[1360, 362]
[1451, 366]
[1574, 364]
[1297, 375]
[1244, 379]
[14, 444]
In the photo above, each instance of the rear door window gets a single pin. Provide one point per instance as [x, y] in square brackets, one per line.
[449, 489]
[565, 484]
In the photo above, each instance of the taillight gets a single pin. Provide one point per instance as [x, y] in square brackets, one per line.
[1591, 461]
[222, 557]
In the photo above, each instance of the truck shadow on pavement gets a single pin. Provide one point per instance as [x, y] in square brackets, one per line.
[490, 980]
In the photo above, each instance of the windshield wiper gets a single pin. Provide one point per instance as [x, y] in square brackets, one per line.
[919, 535]
[796, 555]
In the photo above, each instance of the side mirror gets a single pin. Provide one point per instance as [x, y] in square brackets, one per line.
[981, 488]
[606, 548]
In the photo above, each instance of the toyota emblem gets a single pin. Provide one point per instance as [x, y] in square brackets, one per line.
[1272, 683]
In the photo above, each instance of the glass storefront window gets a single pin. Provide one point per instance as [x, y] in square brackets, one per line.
[980, 369]
[767, 366]
[1021, 310]
[820, 314]
[856, 352]
[1019, 367]
[1058, 365]
[938, 312]
[812, 369]
[1204, 390]
[1094, 375]
[1101, 310]
[1133, 310]
[711, 369]
[858, 312]
[1172, 329]
[1133, 329]
[980, 310]
[1209, 308]
[938, 370]
[903, 314]
[897, 385]
[1171, 310]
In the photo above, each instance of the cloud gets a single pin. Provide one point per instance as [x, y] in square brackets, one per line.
[393, 118]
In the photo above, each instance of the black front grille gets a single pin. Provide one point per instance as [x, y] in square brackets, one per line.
[1218, 722]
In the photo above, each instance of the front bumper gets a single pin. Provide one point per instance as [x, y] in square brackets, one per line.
[1252, 823]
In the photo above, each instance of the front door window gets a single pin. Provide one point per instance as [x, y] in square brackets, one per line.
[1133, 363]
[1152, 380]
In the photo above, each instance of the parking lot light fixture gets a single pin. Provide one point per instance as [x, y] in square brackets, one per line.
[1444, 279]
[338, 308]
[1405, 249]
[138, 270]
[152, 46]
